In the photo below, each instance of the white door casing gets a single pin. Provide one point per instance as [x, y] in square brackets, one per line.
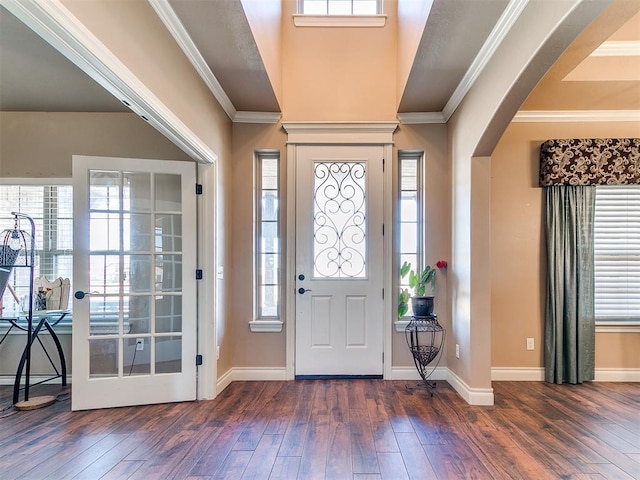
[134, 333]
[339, 260]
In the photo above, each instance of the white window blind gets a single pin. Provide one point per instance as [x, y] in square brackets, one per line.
[51, 207]
[617, 254]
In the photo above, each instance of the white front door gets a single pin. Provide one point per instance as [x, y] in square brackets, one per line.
[134, 312]
[339, 260]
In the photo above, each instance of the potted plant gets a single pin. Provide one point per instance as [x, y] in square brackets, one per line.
[421, 303]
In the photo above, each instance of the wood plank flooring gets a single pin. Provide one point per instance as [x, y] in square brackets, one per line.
[334, 429]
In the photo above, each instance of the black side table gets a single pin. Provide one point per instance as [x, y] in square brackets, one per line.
[425, 339]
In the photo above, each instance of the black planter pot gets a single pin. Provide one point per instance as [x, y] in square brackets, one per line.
[422, 306]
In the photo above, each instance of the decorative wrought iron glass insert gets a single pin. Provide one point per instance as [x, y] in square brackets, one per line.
[339, 220]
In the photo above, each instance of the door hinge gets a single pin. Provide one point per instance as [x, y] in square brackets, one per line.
[383, 164]
[198, 189]
[383, 357]
[198, 360]
[383, 229]
[383, 293]
[198, 274]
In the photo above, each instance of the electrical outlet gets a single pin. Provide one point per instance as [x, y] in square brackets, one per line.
[218, 352]
[530, 344]
[457, 351]
[139, 343]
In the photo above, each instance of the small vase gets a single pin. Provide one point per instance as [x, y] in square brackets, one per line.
[422, 306]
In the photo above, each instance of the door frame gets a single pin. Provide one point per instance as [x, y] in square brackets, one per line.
[337, 134]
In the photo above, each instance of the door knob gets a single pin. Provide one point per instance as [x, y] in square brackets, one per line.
[302, 291]
[80, 294]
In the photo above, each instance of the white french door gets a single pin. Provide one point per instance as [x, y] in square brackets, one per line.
[339, 260]
[134, 311]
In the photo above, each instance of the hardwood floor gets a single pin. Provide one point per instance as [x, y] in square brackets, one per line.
[336, 429]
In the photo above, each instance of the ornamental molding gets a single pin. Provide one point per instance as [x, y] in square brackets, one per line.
[340, 132]
[256, 117]
[418, 118]
[570, 116]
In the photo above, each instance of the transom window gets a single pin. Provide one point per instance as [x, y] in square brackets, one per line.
[340, 7]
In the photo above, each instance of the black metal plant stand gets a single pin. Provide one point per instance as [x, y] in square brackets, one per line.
[425, 338]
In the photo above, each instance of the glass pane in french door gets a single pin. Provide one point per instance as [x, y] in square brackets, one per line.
[135, 273]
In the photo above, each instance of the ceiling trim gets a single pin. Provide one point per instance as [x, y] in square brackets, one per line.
[415, 118]
[617, 49]
[62, 30]
[256, 117]
[171, 21]
[545, 116]
[340, 132]
[500, 30]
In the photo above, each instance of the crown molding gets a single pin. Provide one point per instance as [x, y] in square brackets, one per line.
[171, 21]
[617, 49]
[301, 20]
[506, 21]
[256, 117]
[412, 118]
[565, 116]
[340, 132]
[62, 30]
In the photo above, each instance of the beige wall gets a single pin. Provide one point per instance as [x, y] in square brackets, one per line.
[251, 349]
[40, 145]
[137, 37]
[334, 74]
[432, 140]
[517, 240]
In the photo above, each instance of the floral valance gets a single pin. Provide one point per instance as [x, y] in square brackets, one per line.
[590, 161]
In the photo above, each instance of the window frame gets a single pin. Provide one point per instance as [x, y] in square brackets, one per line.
[613, 324]
[260, 322]
[64, 327]
[301, 19]
[379, 5]
[419, 157]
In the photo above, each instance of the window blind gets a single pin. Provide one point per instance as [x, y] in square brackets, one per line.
[617, 253]
[51, 208]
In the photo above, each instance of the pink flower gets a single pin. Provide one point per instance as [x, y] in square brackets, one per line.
[441, 264]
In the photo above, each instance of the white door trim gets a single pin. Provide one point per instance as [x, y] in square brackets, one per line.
[337, 133]
[207, 219]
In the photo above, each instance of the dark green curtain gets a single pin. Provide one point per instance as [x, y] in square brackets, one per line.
[569, 318]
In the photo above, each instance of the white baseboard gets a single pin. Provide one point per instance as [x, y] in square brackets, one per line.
[617, 375]
[10, 379]
[410, 373]
[473, 396]
[224, 381]
[536, 374]
[517, 374]
[248, 374]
